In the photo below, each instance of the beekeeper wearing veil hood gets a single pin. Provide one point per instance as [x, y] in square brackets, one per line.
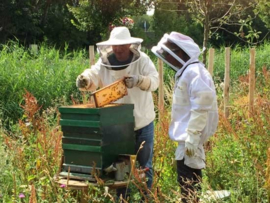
[194, 109]
[120, 57]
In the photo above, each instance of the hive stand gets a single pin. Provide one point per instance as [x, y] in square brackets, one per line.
[83, 186]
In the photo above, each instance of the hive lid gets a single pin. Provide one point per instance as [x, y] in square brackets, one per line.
[110, 93]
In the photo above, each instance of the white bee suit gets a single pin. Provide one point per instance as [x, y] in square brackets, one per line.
[194, 110]
[101, 76]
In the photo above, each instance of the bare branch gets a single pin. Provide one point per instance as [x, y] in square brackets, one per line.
[240, 38]
[228, 11]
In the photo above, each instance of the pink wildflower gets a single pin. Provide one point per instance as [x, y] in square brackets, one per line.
[21, 195]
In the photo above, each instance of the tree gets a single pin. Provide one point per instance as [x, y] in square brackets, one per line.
[172, 16]
[225, 15]
[221, 15]
[236, 17]
[263, 10]
[96, 15]
[19, 18]
[31, 21]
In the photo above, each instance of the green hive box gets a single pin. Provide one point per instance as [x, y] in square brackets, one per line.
[95, 136]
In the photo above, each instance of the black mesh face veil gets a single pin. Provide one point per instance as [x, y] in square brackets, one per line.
[167, 48]
[119, 65]
[109, 60]
[162, 53]
[171, 44]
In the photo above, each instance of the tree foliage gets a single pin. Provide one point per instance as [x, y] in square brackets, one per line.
[172, 16]
[218, 19]
[81, 23]
[96, 15]
[263, 10]
[35, 21]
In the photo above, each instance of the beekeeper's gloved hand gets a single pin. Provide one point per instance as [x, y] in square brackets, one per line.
[196, 124]
[83, 82]
[131, 81]
[192, 143]
[143, 82]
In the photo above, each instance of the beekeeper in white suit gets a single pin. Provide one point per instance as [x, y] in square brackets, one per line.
[194, 109]
[120, 57]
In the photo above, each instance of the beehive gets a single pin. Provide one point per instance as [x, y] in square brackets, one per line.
[94, 137]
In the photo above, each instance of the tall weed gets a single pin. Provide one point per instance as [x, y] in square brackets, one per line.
[34, 151]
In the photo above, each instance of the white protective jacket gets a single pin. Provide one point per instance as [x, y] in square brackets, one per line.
[143, 102]
[194, 109]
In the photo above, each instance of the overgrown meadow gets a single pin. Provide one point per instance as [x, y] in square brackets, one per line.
[33, 86]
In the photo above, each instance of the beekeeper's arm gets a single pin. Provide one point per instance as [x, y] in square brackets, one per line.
[148, 80]
[89, 79]
[202, 98]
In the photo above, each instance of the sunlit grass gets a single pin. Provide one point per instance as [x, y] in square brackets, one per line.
[49, 75]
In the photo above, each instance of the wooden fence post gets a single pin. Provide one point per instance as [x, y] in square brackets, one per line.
[227, 81]
[91, 55]
[251, 80]
[160, 89]
[91, 62]
[211, 60]
[33, 48]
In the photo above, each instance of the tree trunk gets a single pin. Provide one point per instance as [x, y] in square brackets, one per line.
[45, 13]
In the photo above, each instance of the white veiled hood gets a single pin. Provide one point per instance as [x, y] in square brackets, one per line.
[184, 42]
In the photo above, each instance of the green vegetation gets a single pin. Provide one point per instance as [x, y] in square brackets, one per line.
[48, 74]
[239, 63]
[32, 86]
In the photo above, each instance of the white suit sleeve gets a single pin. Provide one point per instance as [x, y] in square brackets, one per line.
[202, 98]
[93, 74]
[196, 124]
[150, 76]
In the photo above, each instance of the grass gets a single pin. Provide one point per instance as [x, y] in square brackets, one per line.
[49, 75]
[239, 61]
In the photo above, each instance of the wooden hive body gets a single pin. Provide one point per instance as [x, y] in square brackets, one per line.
[95, 136]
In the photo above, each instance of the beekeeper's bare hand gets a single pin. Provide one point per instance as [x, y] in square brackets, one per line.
[83, 82]
[131, 81]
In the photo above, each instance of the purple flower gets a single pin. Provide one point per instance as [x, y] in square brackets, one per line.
[63, 185]
[21, 195]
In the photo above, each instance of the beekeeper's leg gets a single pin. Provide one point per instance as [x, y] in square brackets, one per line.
[190, 182]
[145, 154]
